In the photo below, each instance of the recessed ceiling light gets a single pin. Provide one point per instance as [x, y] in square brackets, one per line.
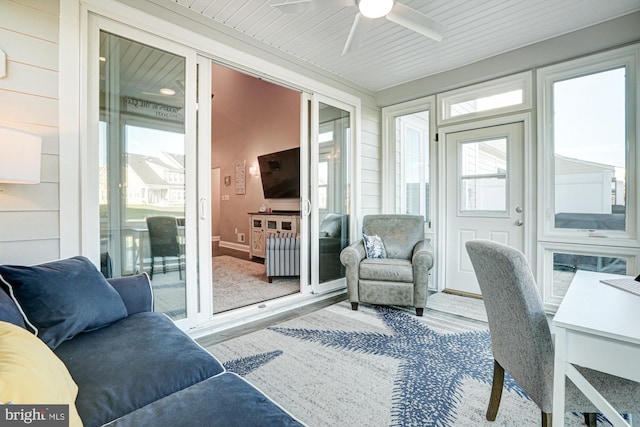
[167, 91]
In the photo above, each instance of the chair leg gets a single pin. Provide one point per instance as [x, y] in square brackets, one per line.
[151, 275]
[547, 419]
[590, 419]
[419, 311]
[354, 306]
[180, 268]
[496, 391]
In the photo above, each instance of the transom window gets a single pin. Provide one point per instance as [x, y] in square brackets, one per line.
[486, 103]
[498, 96]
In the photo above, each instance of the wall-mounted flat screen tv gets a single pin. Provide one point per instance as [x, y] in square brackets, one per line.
[280, 174]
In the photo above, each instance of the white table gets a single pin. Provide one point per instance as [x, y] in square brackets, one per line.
[598, 327]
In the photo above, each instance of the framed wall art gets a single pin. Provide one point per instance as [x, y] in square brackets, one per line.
[240, 177]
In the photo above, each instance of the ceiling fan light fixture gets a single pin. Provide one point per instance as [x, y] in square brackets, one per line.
[375, 8]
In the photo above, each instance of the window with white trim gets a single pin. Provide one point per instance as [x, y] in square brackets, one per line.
[504, 95]
[409, 128]
[588, 145]
[587, 198]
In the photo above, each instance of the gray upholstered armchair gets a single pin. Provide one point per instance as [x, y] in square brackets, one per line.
[402, 276]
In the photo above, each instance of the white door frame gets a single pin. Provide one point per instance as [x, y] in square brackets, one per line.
[529, 185]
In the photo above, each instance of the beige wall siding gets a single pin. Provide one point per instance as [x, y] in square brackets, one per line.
[29, 214]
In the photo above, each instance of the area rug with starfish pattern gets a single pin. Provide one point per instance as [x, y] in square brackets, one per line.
[382, 366]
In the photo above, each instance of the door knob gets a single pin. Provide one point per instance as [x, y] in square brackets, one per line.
[518, 209]
[519, 223]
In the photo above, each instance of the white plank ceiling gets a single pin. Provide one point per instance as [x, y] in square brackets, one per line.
[390, 54]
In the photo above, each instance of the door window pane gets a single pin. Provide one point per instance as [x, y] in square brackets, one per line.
[155, 173]
[333, 186]
[483, 173]
[142, 168]
[590, 151]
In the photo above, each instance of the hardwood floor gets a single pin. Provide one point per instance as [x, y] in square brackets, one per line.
[256, 325]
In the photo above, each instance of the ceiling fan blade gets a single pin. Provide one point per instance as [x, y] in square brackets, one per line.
[359, 28]
[297, 6]
[416, 21]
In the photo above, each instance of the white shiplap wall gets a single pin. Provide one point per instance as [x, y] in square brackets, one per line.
[371, 161]
[29, 214]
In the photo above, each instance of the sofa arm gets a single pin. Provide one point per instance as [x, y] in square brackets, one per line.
[422, 261]
[350, 258]
[135, 291]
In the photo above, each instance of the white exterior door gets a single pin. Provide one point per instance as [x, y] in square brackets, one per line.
[484, 196]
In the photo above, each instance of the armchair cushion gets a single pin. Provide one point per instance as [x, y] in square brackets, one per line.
[386, 269]
[400, 233]
[60, 299]
[374, 246]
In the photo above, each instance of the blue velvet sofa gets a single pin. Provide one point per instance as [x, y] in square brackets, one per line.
[132, 366]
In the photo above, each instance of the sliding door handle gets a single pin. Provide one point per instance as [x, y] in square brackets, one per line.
[202, 208]
[306, 207]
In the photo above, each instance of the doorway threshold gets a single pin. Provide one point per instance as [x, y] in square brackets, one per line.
[248, 319]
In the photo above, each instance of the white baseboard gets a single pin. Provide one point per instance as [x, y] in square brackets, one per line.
[236, 246]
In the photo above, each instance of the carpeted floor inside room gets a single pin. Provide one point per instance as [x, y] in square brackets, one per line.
[238, 283]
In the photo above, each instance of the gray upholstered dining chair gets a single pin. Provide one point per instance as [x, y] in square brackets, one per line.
[521, 339]
[401, 276]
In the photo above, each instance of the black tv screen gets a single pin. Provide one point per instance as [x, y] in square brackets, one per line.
[280, 174]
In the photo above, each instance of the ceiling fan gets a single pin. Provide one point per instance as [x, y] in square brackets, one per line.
[368, 10]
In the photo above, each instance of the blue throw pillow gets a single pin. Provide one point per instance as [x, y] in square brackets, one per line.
[9, 311]
[374, 247]
[60, 299]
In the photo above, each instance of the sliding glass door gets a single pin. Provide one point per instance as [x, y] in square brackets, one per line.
[145, 171]
[330, 189]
